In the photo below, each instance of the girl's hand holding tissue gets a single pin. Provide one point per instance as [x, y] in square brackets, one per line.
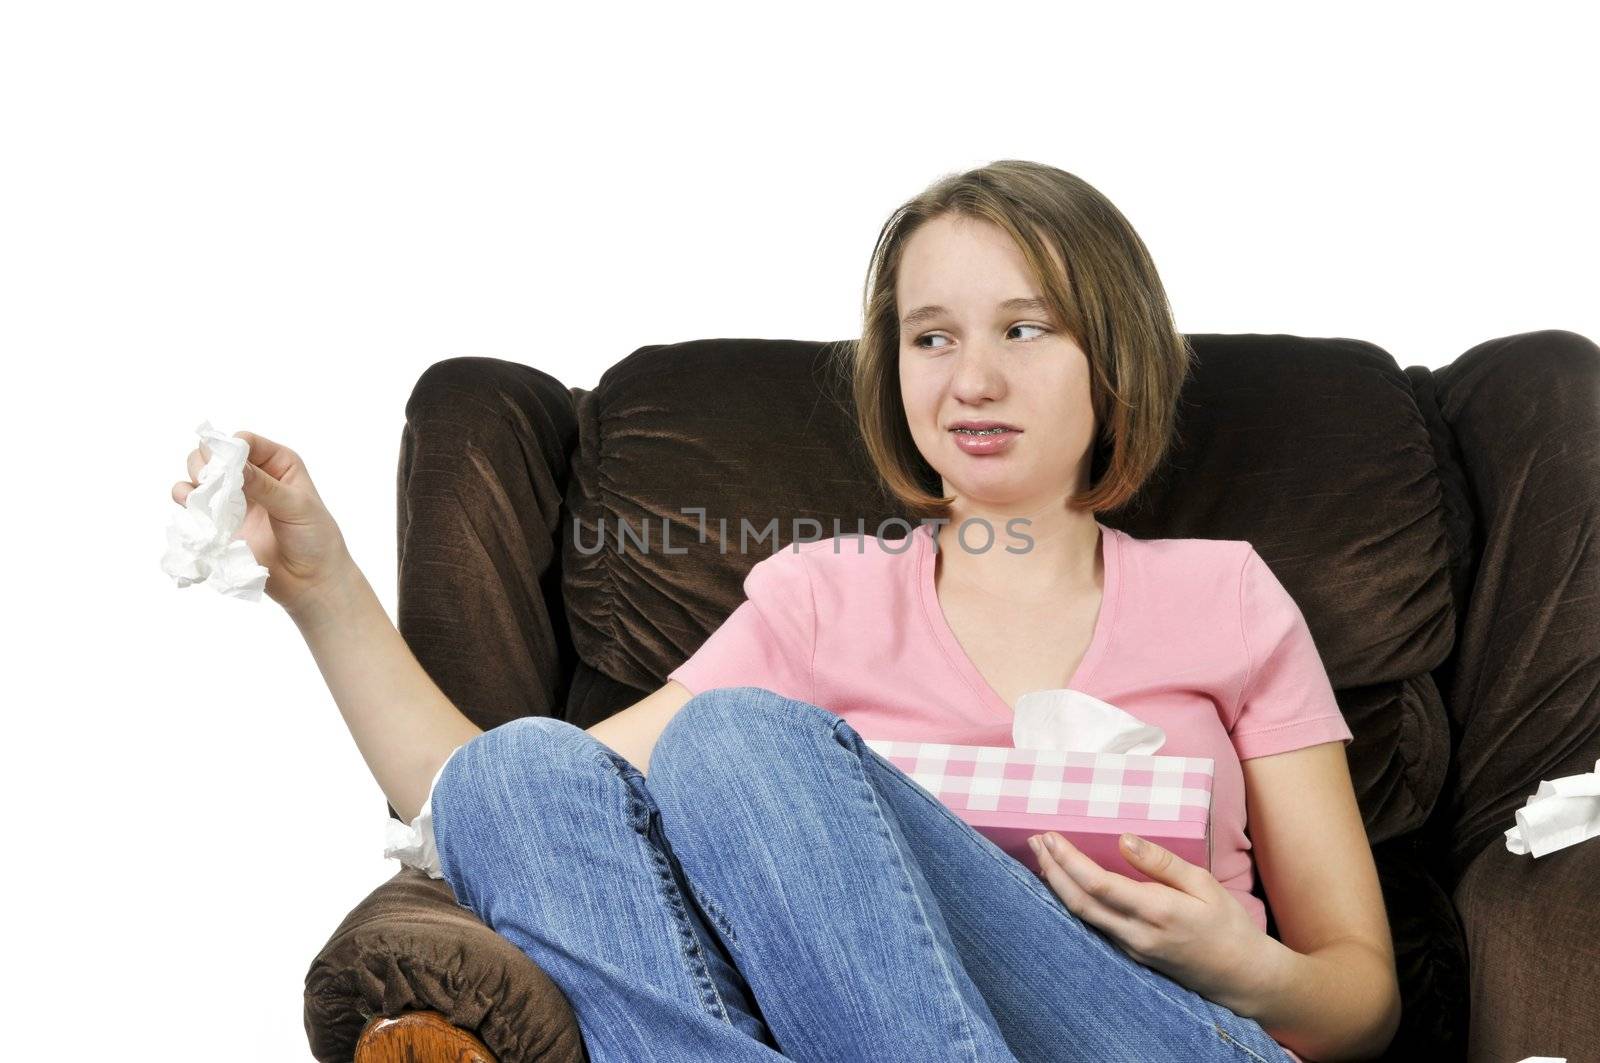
[1184, 923]
[287, 527]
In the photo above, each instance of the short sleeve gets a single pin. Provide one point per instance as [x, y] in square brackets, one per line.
[768, 641]
[1287, 700]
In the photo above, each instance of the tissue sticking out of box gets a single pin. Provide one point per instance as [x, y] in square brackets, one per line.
[1564, 812]
[200, 540]
[1071, 720]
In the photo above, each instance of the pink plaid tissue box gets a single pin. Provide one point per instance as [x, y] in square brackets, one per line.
[1091, 799]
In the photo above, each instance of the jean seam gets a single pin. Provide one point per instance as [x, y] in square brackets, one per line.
[1014, 869]
[609, 760]
[969, 1037]
[675, 902]
[1241, 1046]
[713, 911]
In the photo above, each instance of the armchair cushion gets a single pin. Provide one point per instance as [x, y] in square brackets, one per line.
[411, 946]
[1525, 412]
[1535, 948]
[749, 431]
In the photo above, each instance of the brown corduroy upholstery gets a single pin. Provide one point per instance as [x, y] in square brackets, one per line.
[1435, 526]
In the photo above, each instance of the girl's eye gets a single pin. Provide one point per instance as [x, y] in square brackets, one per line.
[935, 336]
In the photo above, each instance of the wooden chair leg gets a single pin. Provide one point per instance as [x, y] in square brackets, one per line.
[419, 1037]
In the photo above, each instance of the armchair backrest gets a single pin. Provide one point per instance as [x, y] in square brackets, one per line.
[1316, 451]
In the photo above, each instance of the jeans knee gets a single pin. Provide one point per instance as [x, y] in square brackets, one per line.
[531, 755]
[718, 707]
[730, 727]
[716, 715]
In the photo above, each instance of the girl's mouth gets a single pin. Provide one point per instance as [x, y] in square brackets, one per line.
[984, 441]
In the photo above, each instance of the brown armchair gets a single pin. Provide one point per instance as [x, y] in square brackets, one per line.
[1437, 527]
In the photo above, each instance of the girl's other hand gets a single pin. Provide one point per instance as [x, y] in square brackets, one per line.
[1182, 922]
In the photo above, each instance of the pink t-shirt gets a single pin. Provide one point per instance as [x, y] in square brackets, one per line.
[1195, 636]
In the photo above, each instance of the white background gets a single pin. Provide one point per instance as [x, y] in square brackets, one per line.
[275, 217]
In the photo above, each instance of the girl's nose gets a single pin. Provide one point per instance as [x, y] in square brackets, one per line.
[978, 374]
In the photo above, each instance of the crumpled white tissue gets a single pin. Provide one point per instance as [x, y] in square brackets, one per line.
[200, 540]
[1071, 720]
[414, 844]
[1564, 812]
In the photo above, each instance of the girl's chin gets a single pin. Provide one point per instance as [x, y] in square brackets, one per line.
[995, 490]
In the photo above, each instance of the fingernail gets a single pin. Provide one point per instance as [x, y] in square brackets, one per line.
[1053, 842]
[1135, 846]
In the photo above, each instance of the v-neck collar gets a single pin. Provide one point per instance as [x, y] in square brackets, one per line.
[1105, 620]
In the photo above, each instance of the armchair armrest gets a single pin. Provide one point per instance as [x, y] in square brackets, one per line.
[1533, 948]
[408, 947]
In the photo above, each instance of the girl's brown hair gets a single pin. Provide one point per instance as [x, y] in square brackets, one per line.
[1108, 298]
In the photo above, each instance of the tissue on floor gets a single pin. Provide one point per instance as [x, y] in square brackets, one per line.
[1080, 767]
[200, 539]
[1564, 812]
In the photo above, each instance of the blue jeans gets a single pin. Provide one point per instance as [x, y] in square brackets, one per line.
[781, 891]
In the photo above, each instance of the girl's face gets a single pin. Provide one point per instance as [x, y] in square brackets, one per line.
[973, 357]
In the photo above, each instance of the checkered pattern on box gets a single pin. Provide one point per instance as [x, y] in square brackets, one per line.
[1005, 779]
